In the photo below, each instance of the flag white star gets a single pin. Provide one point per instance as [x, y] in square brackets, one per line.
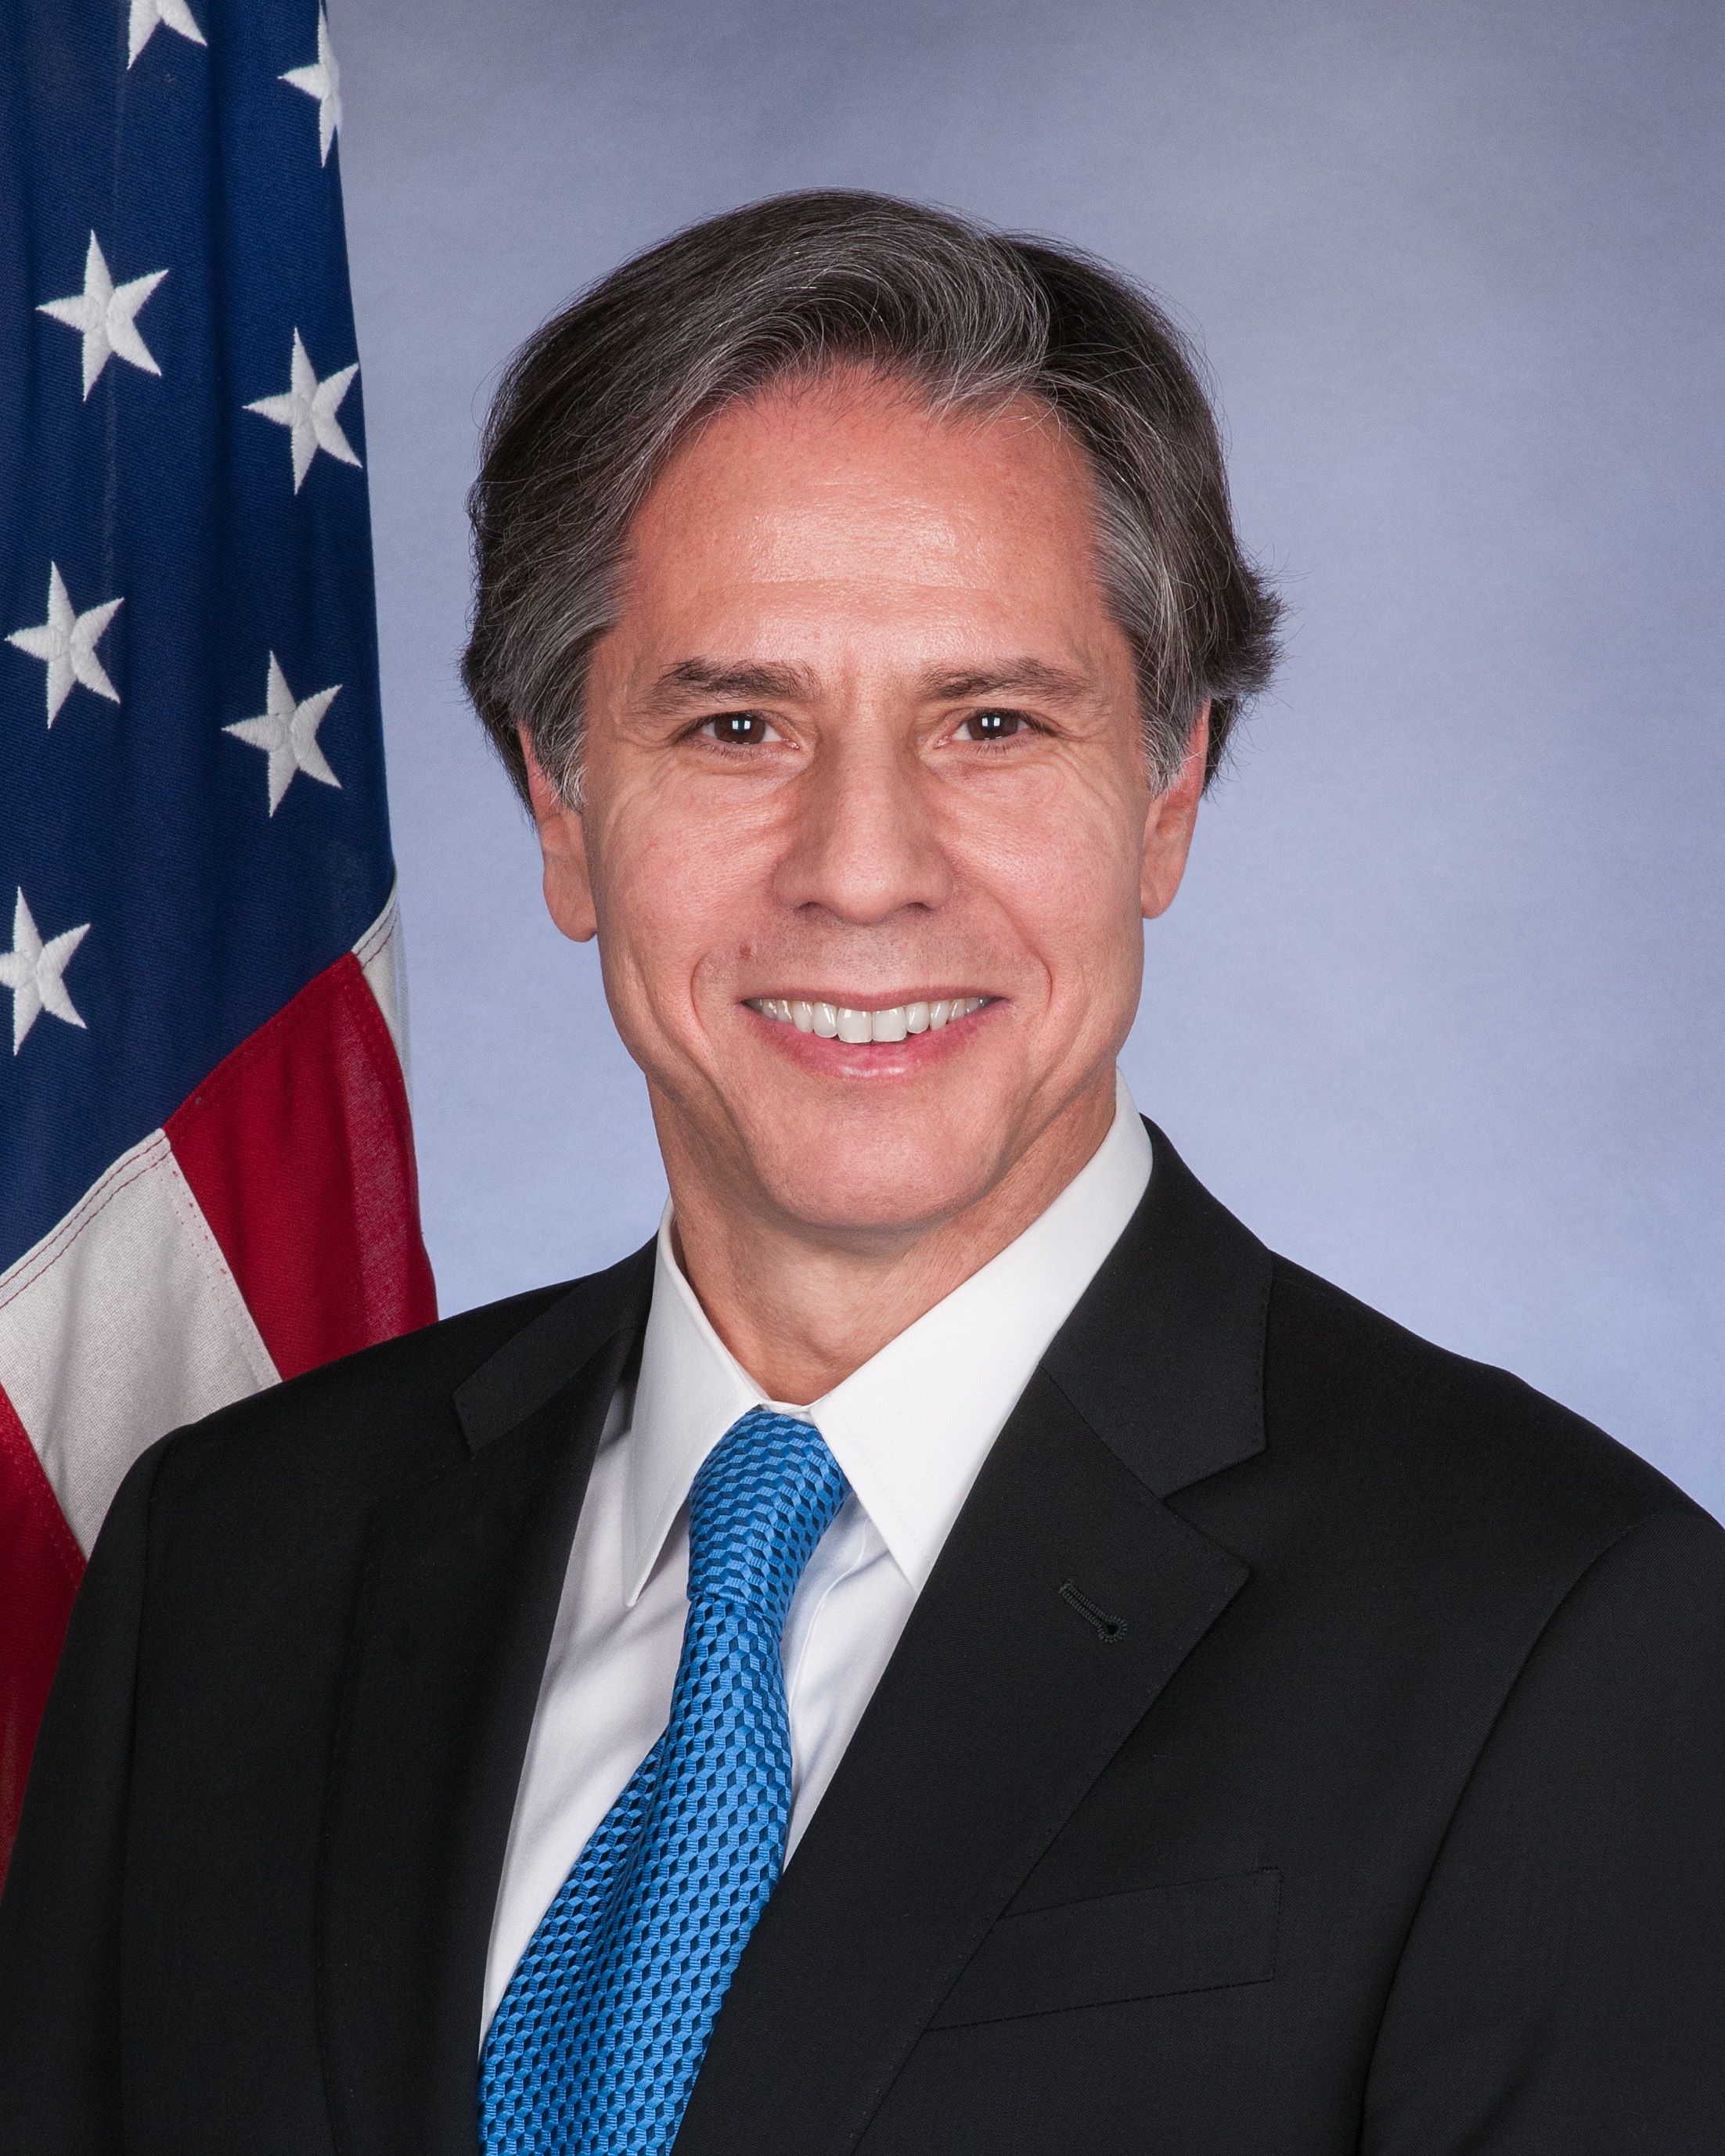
[31, 970]
[287, 733]
[104, 312]
[67, 641]
[322, 81]
[308, 411]
[145, 14]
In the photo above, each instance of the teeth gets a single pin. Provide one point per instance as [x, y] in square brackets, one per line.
[842, 1022]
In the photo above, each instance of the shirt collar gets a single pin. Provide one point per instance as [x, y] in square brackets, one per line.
[911, 1427]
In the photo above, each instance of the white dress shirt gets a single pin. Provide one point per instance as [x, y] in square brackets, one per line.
[910, 1430]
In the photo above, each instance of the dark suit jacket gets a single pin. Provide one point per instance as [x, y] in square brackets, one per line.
[1308, 1742]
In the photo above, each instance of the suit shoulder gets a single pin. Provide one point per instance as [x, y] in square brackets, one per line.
[377, 1419]
[1470, 1450]
[398, 1377]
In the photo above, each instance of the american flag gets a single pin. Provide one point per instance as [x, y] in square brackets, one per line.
[205, 1164]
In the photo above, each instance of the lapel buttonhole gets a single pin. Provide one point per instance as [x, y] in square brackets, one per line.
[1107, 1629]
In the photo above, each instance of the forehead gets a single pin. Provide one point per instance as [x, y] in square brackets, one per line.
[848, 503]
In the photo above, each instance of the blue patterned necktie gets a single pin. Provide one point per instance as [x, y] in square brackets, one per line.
[594, 2048]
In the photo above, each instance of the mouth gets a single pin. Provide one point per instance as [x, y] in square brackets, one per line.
[845, 1022]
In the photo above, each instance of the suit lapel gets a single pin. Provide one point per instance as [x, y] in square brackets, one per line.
[461, 1589]
[1004, 1700]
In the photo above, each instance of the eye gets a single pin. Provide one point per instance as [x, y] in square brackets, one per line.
[992, 726]
[739, 729]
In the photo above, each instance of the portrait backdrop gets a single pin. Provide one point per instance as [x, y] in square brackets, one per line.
[1438, 1012]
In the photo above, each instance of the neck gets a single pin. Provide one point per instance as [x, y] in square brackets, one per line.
[801, 1307]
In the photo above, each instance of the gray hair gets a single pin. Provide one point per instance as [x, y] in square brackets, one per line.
[597, 402]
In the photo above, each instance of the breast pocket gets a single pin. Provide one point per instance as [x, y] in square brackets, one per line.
[1145, 1945]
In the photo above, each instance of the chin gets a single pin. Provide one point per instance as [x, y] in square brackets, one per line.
[847, 1184]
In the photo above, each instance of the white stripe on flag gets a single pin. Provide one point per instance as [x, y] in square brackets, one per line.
[382, 959]
[121, 1324]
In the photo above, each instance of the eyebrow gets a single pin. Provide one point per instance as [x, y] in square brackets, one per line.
[1034, 674]
[692, 678]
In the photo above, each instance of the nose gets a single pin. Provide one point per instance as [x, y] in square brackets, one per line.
[864, 844]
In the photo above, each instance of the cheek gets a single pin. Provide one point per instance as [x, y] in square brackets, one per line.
[1061, 861]
[673, 893]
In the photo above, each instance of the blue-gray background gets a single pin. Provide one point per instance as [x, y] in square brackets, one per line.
[1438, 1012]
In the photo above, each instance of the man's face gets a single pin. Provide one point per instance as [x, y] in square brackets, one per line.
[865, 741]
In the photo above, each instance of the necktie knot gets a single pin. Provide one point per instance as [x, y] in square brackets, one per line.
[764, 1496]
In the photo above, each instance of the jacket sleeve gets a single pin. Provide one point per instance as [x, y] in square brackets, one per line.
[60, 1913]
[1562, 1986]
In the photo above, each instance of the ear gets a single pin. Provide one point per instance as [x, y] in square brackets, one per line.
[1168, 828]
[562, 841]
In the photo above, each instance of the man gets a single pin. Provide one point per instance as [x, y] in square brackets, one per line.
[1189, 1713]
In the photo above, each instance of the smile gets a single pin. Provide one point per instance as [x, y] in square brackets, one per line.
[841, 1022]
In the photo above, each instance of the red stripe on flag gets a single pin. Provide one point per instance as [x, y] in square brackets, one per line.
[299, 1148]
[40, 1566]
